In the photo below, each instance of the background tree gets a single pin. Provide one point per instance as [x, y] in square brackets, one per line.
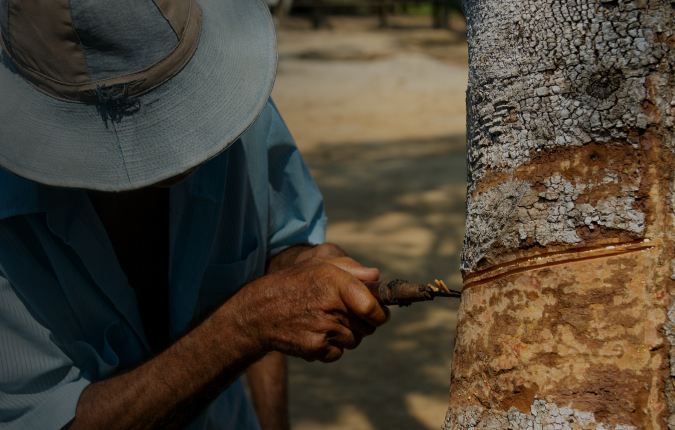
[566, 321]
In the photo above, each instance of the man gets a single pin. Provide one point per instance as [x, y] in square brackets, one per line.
[152, 186]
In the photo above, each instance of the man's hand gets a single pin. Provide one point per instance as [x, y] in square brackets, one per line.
[267, 378]
[333, 254]
[313, 310]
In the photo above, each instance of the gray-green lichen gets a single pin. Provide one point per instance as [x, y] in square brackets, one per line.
[546, 74]
[551, 73]
[543, 416]
[514, 212]
[492, 219]
[669, 330]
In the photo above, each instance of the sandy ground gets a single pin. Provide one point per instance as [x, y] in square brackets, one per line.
[379, 116]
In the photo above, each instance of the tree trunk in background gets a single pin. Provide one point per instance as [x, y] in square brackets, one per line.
[566, 320]
[440, 14]
[283, 9]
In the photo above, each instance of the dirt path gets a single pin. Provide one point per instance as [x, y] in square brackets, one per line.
[379, 117]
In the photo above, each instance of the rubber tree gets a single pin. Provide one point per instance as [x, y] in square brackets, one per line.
[566, 319]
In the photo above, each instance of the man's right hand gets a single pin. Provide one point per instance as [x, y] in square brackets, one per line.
[312, 310]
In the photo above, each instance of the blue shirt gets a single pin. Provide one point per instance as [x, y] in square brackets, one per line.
[68, 317]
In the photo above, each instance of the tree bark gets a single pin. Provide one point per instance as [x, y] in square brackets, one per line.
[567, 316]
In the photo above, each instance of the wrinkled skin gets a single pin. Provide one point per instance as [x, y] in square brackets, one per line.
[314, 309]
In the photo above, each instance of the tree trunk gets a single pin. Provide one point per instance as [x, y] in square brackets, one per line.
[384, 11]
[283, 9]
[567, 316]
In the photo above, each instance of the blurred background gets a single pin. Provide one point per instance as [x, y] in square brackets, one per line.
[374, 94]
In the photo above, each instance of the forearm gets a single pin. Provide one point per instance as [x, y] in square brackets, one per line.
[170, 390]
[267, 377]
[312, 310]
[268, 382]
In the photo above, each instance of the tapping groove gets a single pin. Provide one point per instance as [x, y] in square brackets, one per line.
[555, 259]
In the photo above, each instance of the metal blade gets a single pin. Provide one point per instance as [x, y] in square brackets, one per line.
[452, 294]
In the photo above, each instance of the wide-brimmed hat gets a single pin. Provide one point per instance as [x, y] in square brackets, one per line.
[120, 94]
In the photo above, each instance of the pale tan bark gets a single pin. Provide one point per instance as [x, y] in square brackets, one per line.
[566, 314]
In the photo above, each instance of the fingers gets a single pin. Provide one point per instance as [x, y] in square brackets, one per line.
[333, 254]
[354, 294]
[361, 302]
[342, 337]
[326, 353]
[319, 309]
[360, 272]
[334, 353]
[329, 347]
[336, 341]
[363, 274]
[387, 313]
[355, 324]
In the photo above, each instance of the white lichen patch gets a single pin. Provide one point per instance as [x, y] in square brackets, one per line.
[490, 217]
[553, 215]
[542, 416]
[513, 213]
[669, 330]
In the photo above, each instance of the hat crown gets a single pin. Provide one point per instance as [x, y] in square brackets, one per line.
[79, 42]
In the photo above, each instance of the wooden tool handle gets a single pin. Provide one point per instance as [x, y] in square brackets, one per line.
[399, 292]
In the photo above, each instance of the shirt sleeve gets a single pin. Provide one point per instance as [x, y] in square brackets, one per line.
[39, 384]
[296, 205]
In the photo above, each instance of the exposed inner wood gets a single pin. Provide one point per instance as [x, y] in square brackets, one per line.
[554, 258]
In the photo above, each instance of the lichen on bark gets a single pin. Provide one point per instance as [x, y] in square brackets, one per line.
[546, 75]
[543, 416]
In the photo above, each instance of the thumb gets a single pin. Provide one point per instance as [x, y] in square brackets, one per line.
[359, 271]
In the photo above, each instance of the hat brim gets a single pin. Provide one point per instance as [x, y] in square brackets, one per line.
[184, 122]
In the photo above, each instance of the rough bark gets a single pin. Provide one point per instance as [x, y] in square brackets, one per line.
[567, 316]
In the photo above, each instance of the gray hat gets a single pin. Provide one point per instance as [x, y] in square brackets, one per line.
[116, 95]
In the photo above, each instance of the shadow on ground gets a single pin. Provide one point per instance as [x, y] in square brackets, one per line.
[398, 206]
